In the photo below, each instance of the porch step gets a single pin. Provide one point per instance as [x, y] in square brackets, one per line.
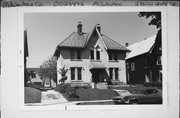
[102, 85]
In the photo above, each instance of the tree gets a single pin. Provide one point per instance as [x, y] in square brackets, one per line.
[49, 69]
[63, 73]
[155, 18]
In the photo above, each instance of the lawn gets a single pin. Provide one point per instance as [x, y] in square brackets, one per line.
[92, 94]
[88, 94]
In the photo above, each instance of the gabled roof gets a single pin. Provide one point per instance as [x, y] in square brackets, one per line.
[111, 44]
[141, 47]
[75, 40]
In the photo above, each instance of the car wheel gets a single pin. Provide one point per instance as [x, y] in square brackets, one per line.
[133, 102]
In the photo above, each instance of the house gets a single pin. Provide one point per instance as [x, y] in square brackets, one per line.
[91, 57]
[38, 80]
[143, 63]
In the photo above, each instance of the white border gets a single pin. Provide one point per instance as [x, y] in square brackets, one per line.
[23, 10]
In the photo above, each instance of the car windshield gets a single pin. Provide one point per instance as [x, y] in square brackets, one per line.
[139, 92]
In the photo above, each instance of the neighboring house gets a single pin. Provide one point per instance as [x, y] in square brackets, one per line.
[39, 81]
[143, 63]
[34, 77]
[26, 54]
[91, 57]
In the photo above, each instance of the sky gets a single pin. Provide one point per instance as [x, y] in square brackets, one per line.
[46, 30]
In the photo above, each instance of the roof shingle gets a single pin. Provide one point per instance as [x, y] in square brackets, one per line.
[81, 40]
[75, 40]
[111, 44]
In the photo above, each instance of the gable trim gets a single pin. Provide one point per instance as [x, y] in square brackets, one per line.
[101, 39]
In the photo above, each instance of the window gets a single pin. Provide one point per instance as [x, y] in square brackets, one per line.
[158, 60]
[95, 53]
[110, 56]
[78, 54]
[76, 73]
[113, 56]
[111, 73]
[75, 54]
[98, 54]
[79, 73]
[92, 54]
[72, 54]
[132, 66]
[116, 73]
[72, 73]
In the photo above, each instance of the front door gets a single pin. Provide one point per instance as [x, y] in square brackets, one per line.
[95, 76]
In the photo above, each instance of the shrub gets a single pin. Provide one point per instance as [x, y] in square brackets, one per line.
[63, 88]
[73, 95]
[32, 95]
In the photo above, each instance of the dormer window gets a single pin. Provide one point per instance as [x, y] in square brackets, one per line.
[95, 53]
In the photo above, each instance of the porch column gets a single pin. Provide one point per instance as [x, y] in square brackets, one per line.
[146, 78]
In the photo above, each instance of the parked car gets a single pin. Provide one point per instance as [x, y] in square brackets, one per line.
[144, 96]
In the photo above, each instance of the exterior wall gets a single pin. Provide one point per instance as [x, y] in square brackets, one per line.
[84, 62]
[137, 76]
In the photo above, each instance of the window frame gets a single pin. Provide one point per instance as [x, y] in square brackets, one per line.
[98, 55]
[73, 73]
[116, 72]
[79, 73]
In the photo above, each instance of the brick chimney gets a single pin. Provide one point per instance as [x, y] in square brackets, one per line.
[98, 28]
[127, 44]
[79, 27]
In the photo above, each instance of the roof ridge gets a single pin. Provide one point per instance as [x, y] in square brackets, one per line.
[100, 35]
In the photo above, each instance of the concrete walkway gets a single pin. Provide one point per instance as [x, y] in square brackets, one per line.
[49, 97]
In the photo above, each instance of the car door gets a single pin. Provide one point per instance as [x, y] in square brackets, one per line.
[156, 96]
[148, 97]
[152, 96]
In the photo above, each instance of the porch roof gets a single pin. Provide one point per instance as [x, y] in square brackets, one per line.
[97, 65]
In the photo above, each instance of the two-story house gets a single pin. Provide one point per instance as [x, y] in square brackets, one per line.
[91, 57]
[144, 61]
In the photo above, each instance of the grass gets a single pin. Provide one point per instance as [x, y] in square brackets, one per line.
[32, 95]
[92, 94]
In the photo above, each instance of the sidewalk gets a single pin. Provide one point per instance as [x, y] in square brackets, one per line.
[49, 97]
